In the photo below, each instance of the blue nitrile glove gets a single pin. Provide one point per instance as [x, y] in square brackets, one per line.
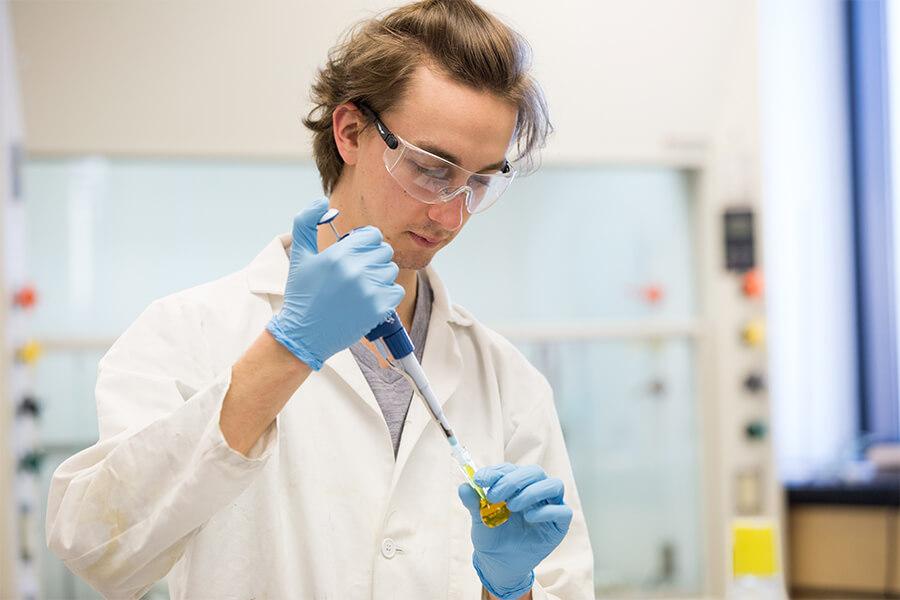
[334, 297]
[505, 556]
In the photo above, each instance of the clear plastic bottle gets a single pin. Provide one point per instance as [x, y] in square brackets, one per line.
[756, 575]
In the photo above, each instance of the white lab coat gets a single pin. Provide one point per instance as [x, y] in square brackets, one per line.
[320, 508]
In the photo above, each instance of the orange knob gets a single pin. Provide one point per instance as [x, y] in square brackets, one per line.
[752, 284]
[25, 297]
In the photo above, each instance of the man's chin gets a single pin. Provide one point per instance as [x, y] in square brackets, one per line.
[413, 261]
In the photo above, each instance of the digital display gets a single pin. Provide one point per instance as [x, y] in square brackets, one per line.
[739, 240]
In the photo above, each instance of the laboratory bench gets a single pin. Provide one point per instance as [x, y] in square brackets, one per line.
[843, 538]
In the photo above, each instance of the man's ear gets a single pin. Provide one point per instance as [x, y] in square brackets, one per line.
[347, 121]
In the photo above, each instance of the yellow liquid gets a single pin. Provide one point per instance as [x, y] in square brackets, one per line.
[492, 515]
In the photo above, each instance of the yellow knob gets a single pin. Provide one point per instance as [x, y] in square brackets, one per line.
[30, 353]
[754, 333]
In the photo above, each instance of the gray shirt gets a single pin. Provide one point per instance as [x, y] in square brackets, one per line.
[392, 392]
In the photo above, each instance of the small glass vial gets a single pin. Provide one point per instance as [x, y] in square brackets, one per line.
[492, 515]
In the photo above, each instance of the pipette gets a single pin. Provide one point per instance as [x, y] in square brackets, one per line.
[395, 346]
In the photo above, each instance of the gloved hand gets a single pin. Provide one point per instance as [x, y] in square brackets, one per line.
[505, 556]
[334, 297]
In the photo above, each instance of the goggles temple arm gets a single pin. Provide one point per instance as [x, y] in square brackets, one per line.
[389, 138]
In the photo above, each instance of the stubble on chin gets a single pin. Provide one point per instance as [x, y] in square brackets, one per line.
[413, 261]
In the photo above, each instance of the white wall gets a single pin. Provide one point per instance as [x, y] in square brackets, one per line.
[808, 231]
[635, 81]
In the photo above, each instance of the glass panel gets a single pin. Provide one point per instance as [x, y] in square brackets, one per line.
[578, 243]
[571, 245]
[606, 246]
[65, 381]
[108, 237]
[628, 413]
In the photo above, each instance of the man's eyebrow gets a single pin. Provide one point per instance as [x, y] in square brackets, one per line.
[427, 147]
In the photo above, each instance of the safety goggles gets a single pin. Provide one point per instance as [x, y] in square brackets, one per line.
[434, 180]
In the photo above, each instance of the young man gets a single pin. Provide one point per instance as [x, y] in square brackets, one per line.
[251, 446]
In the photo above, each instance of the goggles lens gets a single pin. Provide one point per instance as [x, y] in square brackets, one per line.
[432, 179]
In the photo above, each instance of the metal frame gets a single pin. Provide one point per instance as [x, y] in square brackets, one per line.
[879, 411]
[8, 558]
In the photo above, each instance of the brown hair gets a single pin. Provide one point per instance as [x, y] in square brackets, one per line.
[375, 61]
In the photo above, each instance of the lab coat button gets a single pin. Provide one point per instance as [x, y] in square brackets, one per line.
[388, 548]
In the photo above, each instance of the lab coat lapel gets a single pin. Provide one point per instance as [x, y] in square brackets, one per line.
[344, 365]
[267, 274]
[442, 362]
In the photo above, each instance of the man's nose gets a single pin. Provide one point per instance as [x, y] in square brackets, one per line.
[449, 214]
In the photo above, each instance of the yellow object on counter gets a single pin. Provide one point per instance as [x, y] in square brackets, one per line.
[754, 548]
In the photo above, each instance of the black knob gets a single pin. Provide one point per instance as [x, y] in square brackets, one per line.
[754, 383]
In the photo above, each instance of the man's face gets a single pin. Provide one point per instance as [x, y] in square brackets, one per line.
[470, 128]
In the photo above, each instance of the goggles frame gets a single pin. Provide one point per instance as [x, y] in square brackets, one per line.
[393, 142]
